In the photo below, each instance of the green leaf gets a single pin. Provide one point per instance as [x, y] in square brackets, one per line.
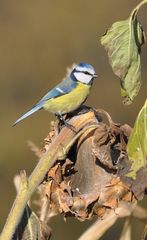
[137, 144]
[123, 43]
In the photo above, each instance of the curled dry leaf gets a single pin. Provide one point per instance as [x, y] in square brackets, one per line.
[49, 137]
[87, 181]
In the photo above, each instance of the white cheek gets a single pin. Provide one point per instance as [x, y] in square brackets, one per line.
[82, 77]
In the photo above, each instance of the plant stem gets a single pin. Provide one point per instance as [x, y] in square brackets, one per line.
[25, 193]
[141, 4]
[57, 150]
[136, 9]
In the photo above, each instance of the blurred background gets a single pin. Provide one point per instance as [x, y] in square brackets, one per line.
[38, 41]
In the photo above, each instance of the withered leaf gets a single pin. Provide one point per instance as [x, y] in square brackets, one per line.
[123, 43]
[89, 173]
[55, 173]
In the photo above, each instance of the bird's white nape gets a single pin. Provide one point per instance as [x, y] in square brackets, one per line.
[82, 77]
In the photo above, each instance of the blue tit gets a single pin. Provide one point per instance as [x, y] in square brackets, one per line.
[68, 95]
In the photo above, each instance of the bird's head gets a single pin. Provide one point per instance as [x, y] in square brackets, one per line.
[84, 73]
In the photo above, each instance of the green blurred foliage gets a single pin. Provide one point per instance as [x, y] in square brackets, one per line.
[39, 39]
[137, 144]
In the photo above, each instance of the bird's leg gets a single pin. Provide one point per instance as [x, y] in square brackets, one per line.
[62, 120]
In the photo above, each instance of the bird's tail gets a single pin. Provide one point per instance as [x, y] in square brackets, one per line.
[34, 109]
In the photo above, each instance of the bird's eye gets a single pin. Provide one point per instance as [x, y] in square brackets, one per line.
[87, 73]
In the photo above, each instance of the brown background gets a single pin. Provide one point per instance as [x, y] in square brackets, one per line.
[38, 40]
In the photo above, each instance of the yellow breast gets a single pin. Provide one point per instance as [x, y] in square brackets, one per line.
[68, 102]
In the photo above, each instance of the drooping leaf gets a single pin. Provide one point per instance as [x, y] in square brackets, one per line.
[29, 227]
[137, 145]
[123, 43]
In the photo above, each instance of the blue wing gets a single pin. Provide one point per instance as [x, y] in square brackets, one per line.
[66, 86]
[63, 88]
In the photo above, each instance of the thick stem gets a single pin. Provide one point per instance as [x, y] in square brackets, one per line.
[57, 150]
[25, 193]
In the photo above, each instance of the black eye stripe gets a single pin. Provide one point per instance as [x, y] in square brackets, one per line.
[87, 73]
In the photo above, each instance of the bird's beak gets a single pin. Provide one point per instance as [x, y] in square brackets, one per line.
[95, 75]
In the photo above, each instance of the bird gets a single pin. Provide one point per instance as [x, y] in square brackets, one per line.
[68, 95]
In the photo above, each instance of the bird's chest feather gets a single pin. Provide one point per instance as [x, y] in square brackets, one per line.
[70, 101]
